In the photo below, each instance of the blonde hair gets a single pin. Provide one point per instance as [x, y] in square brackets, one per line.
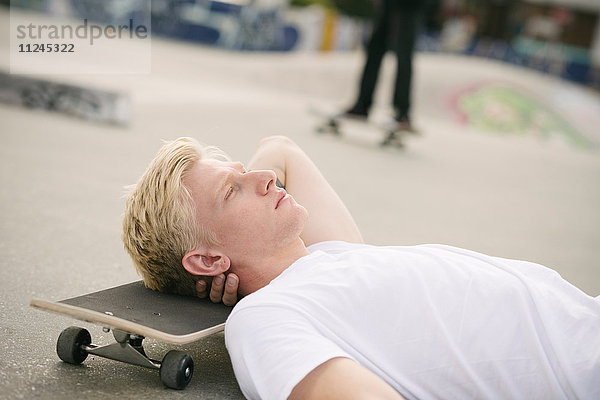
[159, 223]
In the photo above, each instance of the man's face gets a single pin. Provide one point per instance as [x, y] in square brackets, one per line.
[245, 209]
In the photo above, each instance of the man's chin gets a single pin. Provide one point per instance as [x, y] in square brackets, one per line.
[301, 207]
[303, 216]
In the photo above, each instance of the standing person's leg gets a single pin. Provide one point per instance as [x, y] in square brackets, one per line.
[407, 29]
[376, 49]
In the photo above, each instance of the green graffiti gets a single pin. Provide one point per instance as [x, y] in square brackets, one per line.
[505, 110]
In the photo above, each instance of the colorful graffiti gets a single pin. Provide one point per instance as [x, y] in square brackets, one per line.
[504, 109]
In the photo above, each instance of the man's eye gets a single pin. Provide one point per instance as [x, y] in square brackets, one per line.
[229, 192]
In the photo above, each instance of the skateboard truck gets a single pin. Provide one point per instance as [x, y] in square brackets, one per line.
[75, 344]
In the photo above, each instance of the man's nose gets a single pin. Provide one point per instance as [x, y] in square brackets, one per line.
[264, 181]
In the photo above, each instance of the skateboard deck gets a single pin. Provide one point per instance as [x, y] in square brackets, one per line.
[339, 124]
[134, 312]
[136, 309]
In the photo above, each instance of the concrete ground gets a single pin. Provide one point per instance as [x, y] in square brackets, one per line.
[62, 180]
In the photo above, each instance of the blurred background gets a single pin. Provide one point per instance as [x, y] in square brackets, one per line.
[557, 37]
[505, 96]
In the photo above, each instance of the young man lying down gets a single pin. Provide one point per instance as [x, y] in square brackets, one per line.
[324, 315]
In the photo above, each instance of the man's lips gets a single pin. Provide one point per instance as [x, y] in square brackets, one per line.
[280, 197]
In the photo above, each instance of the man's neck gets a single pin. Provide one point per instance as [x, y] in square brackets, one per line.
[257, 272]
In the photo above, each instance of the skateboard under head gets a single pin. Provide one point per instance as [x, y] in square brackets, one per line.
[135, 309]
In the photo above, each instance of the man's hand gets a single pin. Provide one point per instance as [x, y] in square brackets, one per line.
[223, 288]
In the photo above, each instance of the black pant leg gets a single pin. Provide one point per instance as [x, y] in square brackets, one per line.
[406, 31]
[376, 49]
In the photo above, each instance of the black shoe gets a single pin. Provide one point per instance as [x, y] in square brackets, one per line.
[356, 112]
[404, 123]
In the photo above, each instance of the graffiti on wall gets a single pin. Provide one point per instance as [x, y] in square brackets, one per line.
[250, 26]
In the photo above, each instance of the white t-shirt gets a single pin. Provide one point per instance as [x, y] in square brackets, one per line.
[432, 321]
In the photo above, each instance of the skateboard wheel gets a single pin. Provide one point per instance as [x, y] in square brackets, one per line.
[322, 129]
[176, 369]
[392, 139]
[70, 342]
[333, 126]
[330, 126]
[328, 129]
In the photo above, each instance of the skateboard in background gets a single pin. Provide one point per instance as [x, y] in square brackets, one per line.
[391, 131]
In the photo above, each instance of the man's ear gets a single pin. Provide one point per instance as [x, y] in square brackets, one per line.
[204, 262]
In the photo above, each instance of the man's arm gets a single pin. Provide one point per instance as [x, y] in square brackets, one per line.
[342, 378]
[328, 219]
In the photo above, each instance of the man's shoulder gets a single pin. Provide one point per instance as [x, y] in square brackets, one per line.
[261, 315]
